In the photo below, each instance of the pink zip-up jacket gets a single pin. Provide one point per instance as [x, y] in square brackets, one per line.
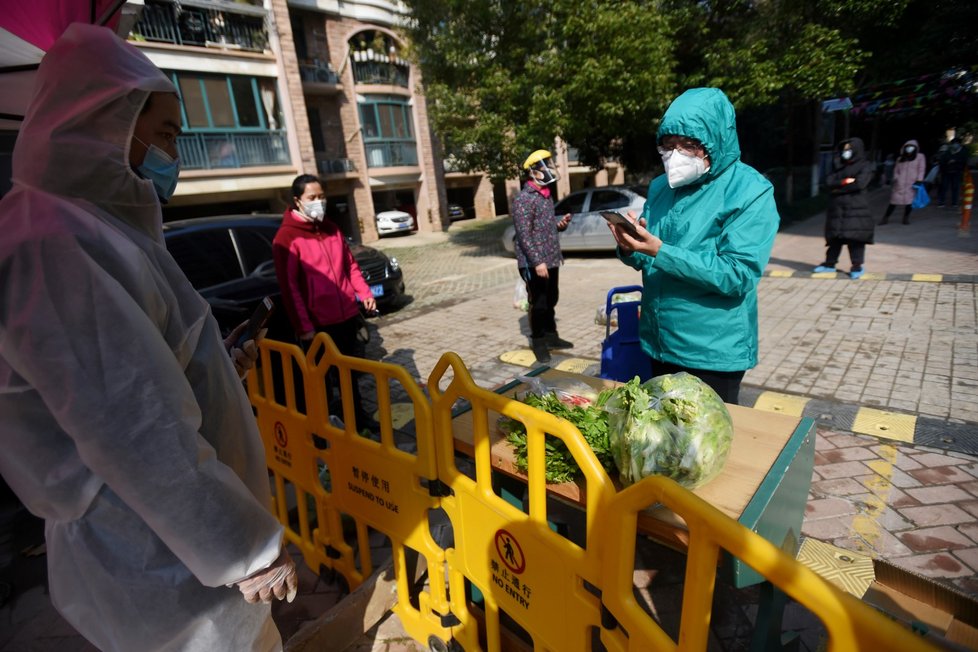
[319, 278]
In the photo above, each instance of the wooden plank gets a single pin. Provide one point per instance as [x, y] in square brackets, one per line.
[759, 438]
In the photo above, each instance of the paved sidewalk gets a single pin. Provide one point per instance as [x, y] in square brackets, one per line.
[833, 348]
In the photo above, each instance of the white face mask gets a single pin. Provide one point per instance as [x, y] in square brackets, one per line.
[683, 169]
[313, 211]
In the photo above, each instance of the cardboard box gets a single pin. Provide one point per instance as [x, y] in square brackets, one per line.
[937, 611]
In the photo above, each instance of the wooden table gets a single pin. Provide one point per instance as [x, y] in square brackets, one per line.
[763, 485]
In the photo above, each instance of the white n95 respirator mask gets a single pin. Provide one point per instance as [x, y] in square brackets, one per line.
[314, 210]
[683, 169]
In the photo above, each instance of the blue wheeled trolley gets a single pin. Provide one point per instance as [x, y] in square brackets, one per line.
[622, 357]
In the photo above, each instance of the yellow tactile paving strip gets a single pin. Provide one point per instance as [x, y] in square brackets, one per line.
[781, 273]
[929, 278]
[888, 425]
[521, 357]
[783, 403]
[850, 571]
[574, 365]
[402, 414]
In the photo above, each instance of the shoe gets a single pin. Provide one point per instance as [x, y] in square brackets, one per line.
[824, 268]
[554, 341]
[540, 350]
[885, 220]
[856, 273]
[906, 220]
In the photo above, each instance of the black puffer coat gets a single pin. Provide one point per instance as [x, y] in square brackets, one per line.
[848, 217]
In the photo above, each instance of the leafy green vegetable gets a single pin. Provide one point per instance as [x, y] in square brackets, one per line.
[673, 425]
[560, 466]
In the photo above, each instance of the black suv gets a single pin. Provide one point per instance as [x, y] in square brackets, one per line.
[228, 259]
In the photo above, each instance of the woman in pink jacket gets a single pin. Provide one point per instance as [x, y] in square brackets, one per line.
[322, 286]
[910, 169]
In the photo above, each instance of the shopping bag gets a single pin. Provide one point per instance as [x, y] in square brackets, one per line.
[520, 299]
[921, 198]
[931, 176]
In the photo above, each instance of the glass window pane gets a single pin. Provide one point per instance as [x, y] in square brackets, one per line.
[605, 200]
[406, 113]
[206, 257]
[386, 128]
[255, 246]
[219, 101]
[571, 204]
[369, 119]
[244, 102]
[193, 102]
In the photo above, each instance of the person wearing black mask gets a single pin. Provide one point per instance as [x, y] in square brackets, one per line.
[847, 218]
[910, 170]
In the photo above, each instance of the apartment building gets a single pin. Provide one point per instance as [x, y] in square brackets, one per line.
[275, 88]
[240, 147]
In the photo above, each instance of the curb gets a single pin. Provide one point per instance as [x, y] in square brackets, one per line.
[870, 276]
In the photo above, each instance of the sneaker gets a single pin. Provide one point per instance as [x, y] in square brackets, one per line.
[824, 268]
[856, 273]
[540, 350]
[554, 341]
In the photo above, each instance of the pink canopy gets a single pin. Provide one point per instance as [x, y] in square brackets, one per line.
[27, 30]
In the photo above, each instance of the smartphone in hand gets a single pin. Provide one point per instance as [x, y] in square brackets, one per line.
[617, 219]
[257, 321]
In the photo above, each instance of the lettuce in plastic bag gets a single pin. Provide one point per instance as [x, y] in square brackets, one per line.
[673, 425]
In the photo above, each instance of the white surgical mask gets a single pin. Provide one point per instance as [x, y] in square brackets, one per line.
[313, 211]
[846, 155]
[683, 169]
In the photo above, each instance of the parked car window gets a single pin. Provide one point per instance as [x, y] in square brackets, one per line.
[571, 204]
[605, 200]
[642, 191]
[206, 257]
[255, 246]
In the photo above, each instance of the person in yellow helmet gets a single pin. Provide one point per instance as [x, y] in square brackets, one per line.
[538, 251]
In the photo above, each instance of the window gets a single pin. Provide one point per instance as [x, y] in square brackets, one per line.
[226, 102]
[386, 118]
[316, 129]
[571, 204]
[606, 200]
[255, 246]
[206, 257]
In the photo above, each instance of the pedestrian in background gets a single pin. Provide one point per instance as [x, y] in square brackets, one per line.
[952, 162]
[910, 170]
[125, 422]
[848, 221]
[704, 238]
[538, 254]
[322, 285]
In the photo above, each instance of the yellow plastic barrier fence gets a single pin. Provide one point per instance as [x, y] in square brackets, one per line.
[359, 481]
[540, 579]
[520, 565]
[560, 593]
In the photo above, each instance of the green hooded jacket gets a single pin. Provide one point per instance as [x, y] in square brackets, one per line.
[699, 304]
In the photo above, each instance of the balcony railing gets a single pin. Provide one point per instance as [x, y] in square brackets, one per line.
[164, 22]
[380, 72]
[319, 72]
[391, 154]
[336, 166]
[211, 150]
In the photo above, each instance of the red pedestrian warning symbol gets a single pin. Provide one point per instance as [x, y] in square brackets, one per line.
[509, 551]
[281, 437]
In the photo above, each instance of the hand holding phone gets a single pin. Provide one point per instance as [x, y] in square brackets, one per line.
[617, 219]
[257, 321]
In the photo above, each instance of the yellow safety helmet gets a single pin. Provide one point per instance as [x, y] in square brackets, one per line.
[535, 157]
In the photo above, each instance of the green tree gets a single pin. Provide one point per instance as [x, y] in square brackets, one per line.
[504, 78]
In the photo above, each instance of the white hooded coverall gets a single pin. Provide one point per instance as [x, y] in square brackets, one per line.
[122, 421]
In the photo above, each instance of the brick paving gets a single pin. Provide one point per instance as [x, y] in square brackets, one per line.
[899, 345]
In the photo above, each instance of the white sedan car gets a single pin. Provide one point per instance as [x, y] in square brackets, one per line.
[394, 222]
[588, 231]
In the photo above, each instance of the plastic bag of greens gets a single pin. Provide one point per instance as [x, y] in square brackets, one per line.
[673, 425]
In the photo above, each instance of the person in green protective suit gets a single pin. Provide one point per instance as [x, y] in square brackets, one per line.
[704, 238]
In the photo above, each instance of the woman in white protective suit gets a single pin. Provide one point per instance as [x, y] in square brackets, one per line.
[124, 422]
